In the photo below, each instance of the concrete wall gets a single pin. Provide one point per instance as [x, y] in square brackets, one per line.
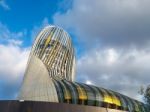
[33, 106]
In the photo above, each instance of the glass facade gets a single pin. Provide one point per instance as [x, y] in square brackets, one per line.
[78, 93]
[54, 48]
[50, 71]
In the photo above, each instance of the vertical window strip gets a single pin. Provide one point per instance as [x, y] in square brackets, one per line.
[98, 95]
[82, 94]
[115, 100]
[62, 62]
[67, 94]
[90, 95]
[73, 90]
[122, 101]
[44, 42]
[40, 44]
[54, 52]
[48, 47]
[136, 105]
[107, 97]
[48, 61]
[59, 91]
[37, 44]
[130, 105]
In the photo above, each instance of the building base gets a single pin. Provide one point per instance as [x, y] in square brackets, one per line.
[35, 106]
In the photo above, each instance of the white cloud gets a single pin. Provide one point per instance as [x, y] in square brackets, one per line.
[116, 40]
[8, 36]
[110, 23]
[88, 82]
[15, 42]
[126, 74]
[111, 56]
[13, 61]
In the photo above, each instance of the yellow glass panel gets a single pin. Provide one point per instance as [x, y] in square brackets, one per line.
[45, 45]
[48, 40]
[108, 99]
[67, 95]
[82, 93]
[116, 101]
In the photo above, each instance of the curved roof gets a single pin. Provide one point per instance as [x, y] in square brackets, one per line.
[79, 93]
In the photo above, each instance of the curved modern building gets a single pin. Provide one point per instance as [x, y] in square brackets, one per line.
[54, 48]
[50, 72]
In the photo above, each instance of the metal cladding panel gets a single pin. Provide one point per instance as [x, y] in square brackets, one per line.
[37, 85]
[51, 56]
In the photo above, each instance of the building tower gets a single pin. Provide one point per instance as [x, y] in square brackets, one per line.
[51, 57]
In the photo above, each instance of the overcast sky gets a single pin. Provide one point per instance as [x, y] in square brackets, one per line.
[111, 38]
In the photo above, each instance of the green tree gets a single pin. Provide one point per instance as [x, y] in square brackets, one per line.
[147, 96]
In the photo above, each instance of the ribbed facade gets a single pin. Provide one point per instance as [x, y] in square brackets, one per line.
[54, 48]
[50, 76]
[83, 94]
